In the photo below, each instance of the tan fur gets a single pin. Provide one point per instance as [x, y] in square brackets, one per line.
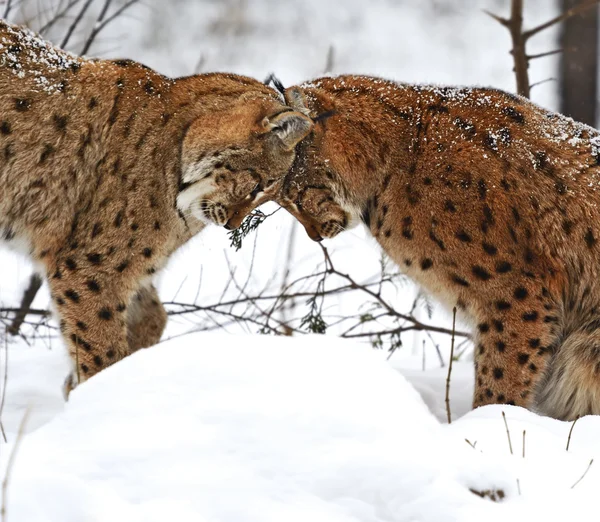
[107, 167]
[488, 201]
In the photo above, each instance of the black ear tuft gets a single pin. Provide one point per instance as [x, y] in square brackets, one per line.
[275, 81]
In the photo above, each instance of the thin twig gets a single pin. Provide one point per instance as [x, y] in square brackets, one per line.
[450, 367]
[101, 24]
[542, 55]
[7, 9]
[570, 432]
[579, 8]
[523, 443]
[57, 17]
[11, 461]
[75, 23]
[35, 283]
[584, 473]
[507, 433]
[94, 31]
[4, 382]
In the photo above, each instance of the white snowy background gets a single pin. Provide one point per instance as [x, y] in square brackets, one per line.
[233, 426]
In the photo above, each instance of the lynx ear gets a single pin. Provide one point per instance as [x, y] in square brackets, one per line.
[290, 127]
[295, 99]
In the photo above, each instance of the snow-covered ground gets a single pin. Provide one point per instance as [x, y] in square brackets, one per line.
[214, 427]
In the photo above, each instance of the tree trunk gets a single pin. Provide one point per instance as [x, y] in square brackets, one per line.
[579, 64]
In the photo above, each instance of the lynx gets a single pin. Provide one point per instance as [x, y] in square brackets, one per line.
[107, 167]
[488, 201]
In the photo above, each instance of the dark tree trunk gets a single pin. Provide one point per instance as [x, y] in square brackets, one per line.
[579, 64]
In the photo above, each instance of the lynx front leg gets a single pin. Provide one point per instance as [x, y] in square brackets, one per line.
[146, 319]
[515, 340]
[92, 308]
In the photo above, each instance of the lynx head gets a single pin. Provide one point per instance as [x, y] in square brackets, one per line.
[313, 190]
[233, 159]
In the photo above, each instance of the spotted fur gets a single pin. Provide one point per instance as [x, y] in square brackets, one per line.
[489, 202]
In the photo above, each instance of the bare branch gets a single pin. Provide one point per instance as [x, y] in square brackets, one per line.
[75, 23]
[450, 367]
[579, 8]
[35, 283]
[542, 55]
[59, 15]
[7, 9]
[102, 23]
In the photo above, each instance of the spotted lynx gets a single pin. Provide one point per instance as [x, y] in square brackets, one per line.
[489, 202]
[107, 167]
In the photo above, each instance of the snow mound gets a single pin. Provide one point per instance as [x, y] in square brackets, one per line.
[253, 428]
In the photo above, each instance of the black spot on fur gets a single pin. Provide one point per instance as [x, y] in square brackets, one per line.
[567, 226]
[503, 267]
[105, 314]
[122, 266]
[46, 152]
[94, 258]
[407, 231]
[489, 249]
[461, 235]
[97, 360]
[93, 285]
[560, 187]
[498, 325]
[70, 263]
[465, 126]
[589, 238]
[459, 280]
[513, 114]
[520, 293]
[437, 240]
[22, 105]
[483, 327]
[426, 264]
[72, 295]
[530, 316]
[500, 346]
[523, 358]
[5, 128]
[502, 305]
[96, 230]
[60, 122]
[147, 252]
[498, 373]
[449, 206]
[149, 87]
[118, 219]
[534, 343]
[481, 273]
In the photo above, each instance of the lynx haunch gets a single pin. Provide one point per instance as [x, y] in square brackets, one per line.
[489, 202]
[107, 167]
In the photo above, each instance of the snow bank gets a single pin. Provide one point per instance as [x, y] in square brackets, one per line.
[213, 427]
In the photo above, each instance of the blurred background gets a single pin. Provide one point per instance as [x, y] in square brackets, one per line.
[278, 282]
